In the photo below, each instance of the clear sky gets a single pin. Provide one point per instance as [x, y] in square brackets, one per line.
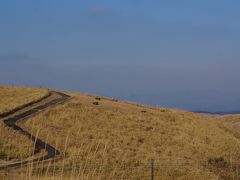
[174, 53]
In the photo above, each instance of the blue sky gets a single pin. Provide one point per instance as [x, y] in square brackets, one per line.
[182, 54]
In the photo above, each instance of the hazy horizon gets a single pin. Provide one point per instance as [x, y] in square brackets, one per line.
[167, 53]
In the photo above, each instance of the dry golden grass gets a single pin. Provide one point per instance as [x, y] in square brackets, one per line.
[231, 124]
[14, 145]
[117, 140]
[12, 97]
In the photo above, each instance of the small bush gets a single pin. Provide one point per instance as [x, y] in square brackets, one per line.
[217, 162]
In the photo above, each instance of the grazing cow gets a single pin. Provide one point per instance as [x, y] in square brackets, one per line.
[96, 103]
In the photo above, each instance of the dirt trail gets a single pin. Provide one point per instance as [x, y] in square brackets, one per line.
[39, 144]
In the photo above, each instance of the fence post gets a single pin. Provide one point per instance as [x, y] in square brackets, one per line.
[152, 169]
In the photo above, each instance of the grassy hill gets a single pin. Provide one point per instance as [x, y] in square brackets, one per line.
[13, 145]
[12, 97]
[115, 139]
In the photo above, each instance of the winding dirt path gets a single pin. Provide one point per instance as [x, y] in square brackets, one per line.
[39, 144]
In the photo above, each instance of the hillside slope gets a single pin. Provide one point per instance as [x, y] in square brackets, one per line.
[12, 97]
[13, 145]
[99, 139]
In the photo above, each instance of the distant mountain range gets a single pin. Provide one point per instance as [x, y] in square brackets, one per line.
[218, 112]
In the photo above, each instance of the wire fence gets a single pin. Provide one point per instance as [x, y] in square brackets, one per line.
[152, 169]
